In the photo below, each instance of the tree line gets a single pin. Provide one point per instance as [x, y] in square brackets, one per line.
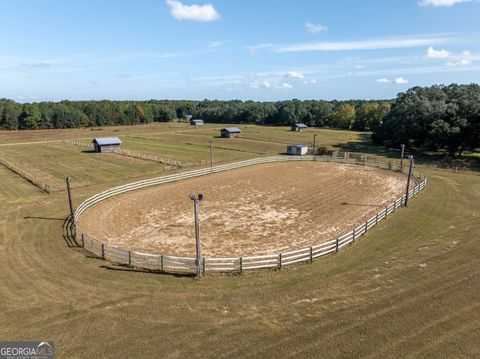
[434, 118]
[428, 118]
[358, 115]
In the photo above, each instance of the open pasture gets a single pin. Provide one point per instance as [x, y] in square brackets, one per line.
[408, 289]
[53, 162]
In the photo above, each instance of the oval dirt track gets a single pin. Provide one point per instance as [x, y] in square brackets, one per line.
[256, 210]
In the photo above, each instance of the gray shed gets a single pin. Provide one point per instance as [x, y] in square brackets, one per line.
[297, 150]
[196, 122]
[299, 127]
[230, 132]
[106, 144]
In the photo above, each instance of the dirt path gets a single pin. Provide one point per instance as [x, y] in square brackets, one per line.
[250, 211]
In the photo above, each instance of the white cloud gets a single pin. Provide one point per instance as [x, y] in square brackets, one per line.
[383, 81]
[287, 86]
[315, 28]
[444, 3]
[310, 82]
[437, 54]
[401, 81]
[462, 60]
[216, 44]
[295, 75]
[194, 12]
[266, 84]
[254, 49]
[359, 45]
[359, 67]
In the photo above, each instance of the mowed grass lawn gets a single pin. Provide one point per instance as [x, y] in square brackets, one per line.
[53, 162]
[14, 188]
[410, 288]
[183, 152]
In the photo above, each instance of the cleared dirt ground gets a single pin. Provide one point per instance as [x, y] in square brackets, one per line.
[249, 211]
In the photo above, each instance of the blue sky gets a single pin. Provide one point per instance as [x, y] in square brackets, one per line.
[225, 49]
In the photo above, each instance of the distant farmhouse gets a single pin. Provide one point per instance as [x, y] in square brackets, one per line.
[297, 150]
[230, 132]
[299, 127]
[106, 144]
[196, 122]
[188, 117]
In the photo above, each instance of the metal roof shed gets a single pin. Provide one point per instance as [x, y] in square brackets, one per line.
[229, 132]
[297, 150]
[106, 144]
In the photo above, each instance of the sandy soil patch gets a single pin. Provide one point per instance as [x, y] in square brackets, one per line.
[249, 211]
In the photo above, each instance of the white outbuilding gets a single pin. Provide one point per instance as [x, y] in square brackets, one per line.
[297, 150]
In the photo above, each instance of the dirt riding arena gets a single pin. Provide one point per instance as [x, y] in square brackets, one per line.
[254, 210]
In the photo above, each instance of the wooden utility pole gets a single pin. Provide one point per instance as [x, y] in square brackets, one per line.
[70, 203]
[197, 233]
[408, 181]
[211, 155]
[314, 143]
[401, 156]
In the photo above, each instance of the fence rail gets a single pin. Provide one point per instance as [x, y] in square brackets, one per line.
[237, 264]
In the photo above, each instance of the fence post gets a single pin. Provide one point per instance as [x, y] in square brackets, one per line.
[203, 265]
[394, 205]
[354, 230]
[161, 263]
[376, 219]
[83, 241]
[386, 212]
[129, 258]
[366, 226]
[336, 245]
[103, 251]
[241, 265]
[280, 261]
[311, 254]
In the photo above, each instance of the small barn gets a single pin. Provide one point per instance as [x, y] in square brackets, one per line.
[196, 122]
[230, 132]
[297, 150]
[299, 127]
[106, 144]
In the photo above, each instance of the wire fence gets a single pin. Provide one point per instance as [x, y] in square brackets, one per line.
[37, 181]
[167, 263]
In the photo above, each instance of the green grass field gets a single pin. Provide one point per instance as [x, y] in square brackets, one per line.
[410, 288]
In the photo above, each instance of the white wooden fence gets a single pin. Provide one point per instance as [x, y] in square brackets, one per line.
[236, 264]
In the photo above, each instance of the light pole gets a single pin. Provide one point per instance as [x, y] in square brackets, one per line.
[401, 157]
[314, 143]
[408, 181]
[211, 155]
[196, 200]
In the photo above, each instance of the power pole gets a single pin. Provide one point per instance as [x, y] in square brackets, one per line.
[314, 143]
[198, 258]
[401, 157]
[73, 226]
[211, 155]
[408, 181]
[70, 203]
